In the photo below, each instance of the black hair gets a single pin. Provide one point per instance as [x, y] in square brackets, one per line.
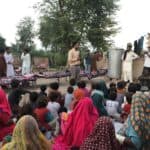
[33, 96]
[43, 88]
[121, 85]
[112, 84]
[54, 85]
[15, 83]
[113, 89]
[2, 50]
[7, 48]
[53, 96]
[94, 85]
[75, 42]
[132, 88]
[72, 82]
[81, 84]
[62, 109]
[70, 90]
[138, 86]
[42, 101]
[112, 95]
[26, 110]
[129, 97]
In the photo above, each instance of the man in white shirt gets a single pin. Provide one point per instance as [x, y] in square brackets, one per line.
[74, 61]
[147, 62]
[26, 62]
[9, 62]
[128, 58]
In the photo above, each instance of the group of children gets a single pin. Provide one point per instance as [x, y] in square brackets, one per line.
[51, 108]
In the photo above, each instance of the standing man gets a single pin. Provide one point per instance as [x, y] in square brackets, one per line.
[9, 62]
[128, 58]
[147, 62]
[87, 62]
[2, 63]
[26, 62]
[74, 61]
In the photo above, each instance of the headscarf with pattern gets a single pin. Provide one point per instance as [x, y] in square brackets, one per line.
[27, 136]
[140, 115]
[102, 136]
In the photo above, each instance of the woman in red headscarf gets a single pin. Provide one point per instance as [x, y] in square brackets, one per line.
[6, 124]
[80, 124]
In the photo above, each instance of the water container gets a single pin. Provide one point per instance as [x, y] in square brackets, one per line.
[115, 63]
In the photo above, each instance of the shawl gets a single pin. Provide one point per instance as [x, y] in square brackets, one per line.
[102, 136]
[26, 136]
[140, 115]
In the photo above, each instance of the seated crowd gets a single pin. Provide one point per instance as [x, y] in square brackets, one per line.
[114, 117]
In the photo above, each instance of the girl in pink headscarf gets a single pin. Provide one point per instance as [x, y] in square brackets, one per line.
[79, 125]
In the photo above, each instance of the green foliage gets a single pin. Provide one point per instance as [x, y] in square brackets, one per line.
[64, 21]
[25, 33]
[2, 42]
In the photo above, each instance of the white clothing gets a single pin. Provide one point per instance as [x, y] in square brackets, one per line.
[68, 100]
[112, 107]
[9, 61]
[26, 63]
[147, 61]
[53, 107]
[127, 66]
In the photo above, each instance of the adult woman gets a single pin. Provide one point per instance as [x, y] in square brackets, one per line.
[79, 125]
[138, 130]
[27, 136]
[6, 124]
[128, 58]
[98, 99]
[102, 137]
[102, 87]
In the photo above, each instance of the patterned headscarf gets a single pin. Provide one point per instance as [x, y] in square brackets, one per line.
[27, 136]
[140, 115]
[102, 136]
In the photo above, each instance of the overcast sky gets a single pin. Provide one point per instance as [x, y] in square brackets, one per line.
[133, 18]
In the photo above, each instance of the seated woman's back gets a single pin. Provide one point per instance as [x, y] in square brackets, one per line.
[27, 136]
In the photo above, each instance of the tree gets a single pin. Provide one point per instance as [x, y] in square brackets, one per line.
[25, 33]
[2, 42]
[63, 21]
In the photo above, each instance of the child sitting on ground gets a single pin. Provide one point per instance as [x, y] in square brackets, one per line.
[69, 97]
[43, 115]
[127, 105]
[53, 104]
[112, 106]
[73, 83]
[82, 86]
[43, 89]
[121, 89]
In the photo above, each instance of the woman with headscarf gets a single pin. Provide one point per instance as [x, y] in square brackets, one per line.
[80, 124]
[27, 136]
[102, 136]
[103, 88]
[6, 123]
[98, 99]
[138, 129]
[78, 95]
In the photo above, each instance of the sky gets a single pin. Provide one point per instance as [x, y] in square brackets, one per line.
[133, 19]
